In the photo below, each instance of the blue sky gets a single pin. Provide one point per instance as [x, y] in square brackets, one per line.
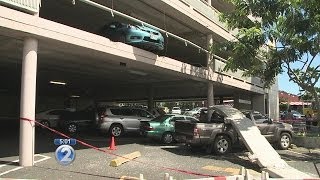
[286, 85]
[289, 86]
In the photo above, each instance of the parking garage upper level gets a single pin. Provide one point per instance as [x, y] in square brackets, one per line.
[79, 23]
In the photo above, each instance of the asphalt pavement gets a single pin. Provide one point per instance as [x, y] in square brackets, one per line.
[156, 159]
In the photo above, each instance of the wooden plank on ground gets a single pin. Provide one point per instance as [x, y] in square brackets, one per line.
[120, 160]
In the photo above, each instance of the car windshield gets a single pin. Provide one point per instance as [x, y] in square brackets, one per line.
[161, 118]
[175, 108]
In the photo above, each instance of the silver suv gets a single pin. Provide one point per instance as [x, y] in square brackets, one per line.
[117, 120]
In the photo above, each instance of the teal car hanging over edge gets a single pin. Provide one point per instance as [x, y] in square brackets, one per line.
[135, 35]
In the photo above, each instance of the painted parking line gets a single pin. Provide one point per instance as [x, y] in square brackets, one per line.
[17, 168]
[12, 162]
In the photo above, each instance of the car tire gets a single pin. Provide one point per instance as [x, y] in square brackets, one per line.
[72, 128]
[285, 141]
[116, 130]
[167, 138]
[222, 145]
[45, 123]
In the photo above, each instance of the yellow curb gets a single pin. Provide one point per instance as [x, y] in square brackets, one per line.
[120, 160]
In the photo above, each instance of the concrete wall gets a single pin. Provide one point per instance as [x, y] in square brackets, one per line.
[258, 103]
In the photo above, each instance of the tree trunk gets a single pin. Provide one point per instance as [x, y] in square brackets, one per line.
[317, 105]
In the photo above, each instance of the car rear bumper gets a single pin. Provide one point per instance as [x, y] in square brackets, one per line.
[104, 127]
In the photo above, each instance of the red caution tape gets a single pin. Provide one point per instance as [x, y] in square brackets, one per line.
[113, 154]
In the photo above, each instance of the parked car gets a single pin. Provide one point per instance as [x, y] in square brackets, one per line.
[195, 112]
[50, 117]
[74, 121]
[136, 35]
[218, 131]
[176, 110]
[118, 120]
[162, 127]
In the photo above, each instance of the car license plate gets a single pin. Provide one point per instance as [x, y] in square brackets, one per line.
[153, 37]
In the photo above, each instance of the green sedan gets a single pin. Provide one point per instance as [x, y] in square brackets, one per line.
[162, 127]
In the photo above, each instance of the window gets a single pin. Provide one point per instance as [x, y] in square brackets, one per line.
[216, 117]
[116, 111]
[127, 112]
[141, 113]
[161, 118]
[177, 118]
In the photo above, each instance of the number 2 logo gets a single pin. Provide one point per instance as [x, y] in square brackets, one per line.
[65, 154]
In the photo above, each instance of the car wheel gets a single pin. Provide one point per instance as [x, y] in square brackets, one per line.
[285, 141]
[45, 123]
[72, 128]
[167, 138]
[116, 130]
[222, 145]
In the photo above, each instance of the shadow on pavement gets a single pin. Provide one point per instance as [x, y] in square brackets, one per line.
[9, 140]
[77, 172]
[233, 157]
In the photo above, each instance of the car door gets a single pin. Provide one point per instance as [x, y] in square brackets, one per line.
[130, 120]
[266, 129]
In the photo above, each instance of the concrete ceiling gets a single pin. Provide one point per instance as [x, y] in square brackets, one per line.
[86, 71]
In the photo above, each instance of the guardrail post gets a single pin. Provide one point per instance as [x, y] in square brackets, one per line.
[166, 176]
[264, 175]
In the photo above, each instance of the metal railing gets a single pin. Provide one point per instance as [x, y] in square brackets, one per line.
[30, 6]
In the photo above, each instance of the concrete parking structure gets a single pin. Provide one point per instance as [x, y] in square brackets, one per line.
[53, 56]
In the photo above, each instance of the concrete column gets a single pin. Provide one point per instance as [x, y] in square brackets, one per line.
[150, 98]
[258, 103]
[28, 101]
[210, 98]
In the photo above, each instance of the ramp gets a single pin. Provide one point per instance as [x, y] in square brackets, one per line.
[263, 152]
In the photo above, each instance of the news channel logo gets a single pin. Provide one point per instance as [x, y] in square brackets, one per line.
[65, 154]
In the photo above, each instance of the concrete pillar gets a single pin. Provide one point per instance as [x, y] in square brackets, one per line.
[150, 98]
[210, 99]
[258, 103]
[28, 101]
